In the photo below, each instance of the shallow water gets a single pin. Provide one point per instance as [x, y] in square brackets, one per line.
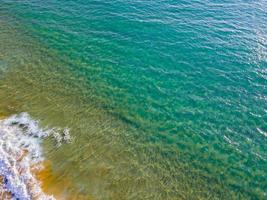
[164, 100]
[21, 157]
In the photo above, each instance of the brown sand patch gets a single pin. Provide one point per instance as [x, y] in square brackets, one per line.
[48, 183]
[60, 189]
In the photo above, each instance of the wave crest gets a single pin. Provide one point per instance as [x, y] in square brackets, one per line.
[21, 156]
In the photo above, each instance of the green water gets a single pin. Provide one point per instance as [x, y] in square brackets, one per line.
[164, 99]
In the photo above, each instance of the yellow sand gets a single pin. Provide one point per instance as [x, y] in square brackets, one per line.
[52, 186]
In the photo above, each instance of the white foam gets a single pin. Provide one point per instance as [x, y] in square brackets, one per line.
[21, 154]
[262, 132]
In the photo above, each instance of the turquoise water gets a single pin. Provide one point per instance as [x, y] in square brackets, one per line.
[170, 95]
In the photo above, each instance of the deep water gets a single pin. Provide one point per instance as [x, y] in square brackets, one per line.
[165, 99]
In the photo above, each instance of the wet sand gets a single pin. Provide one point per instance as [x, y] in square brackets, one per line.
[59, 189]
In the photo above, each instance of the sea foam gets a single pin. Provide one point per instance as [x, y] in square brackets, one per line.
[21, 156]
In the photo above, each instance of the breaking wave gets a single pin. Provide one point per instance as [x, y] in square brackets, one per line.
[21, 156]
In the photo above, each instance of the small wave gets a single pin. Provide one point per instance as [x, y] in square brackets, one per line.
[21, 156]
[262, 132]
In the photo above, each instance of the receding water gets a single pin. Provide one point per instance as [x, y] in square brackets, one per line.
[164, 99]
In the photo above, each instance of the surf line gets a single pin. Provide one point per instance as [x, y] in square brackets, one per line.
[21, 156]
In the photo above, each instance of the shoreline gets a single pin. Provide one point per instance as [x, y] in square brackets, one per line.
[25, 173]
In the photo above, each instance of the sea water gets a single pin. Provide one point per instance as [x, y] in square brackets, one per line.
[163, 99]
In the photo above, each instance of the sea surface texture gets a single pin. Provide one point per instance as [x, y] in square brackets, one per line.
[163, 99]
